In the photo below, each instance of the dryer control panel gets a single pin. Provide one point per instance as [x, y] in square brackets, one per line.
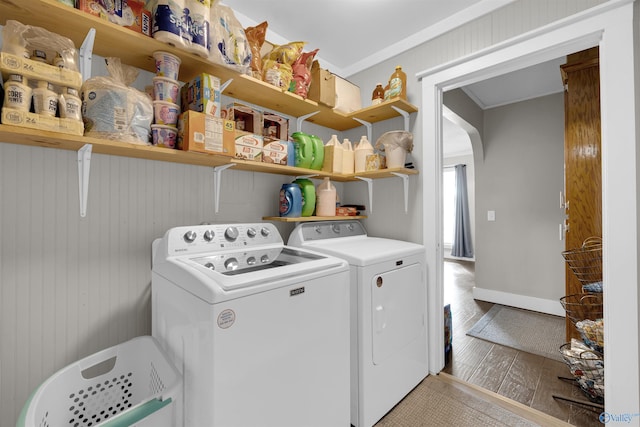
[326, 230]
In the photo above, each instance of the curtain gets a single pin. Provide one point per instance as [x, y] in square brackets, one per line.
[462, 227]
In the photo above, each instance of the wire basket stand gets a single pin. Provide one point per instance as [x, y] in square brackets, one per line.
[586, 359]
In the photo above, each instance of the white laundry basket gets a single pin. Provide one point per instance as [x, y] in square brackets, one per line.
[130, 384]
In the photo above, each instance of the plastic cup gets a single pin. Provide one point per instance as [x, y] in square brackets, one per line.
[166, 89]
[167, 64]
[166, 113]
[164, 136]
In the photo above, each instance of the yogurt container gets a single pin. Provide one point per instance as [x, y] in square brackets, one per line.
[17, 94]
[166, 113]
[164, 136]
[166, 89]
[167, 64]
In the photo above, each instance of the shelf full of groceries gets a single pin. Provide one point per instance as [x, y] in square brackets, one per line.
[44, 90]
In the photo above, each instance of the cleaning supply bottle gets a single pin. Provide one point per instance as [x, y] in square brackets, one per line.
[326, 193]
[318, 153]
[308, 196]
[303, 149]
[363, 149]
[333, 155]
[291, 200]
[398, 84]
[348, 161]
[378, 95]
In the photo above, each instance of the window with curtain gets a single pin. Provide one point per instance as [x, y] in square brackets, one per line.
[461, 246]
[448, 205]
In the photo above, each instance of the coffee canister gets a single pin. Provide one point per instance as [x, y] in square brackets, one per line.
[290, 200]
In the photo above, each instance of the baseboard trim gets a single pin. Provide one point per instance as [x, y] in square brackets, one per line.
[520, 301]
[517, 408]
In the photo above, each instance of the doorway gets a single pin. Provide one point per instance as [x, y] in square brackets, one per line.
[611, 27]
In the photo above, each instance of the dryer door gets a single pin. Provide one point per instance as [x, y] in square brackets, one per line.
[398, 310]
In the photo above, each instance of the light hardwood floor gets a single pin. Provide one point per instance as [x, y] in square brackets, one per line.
[529, 379]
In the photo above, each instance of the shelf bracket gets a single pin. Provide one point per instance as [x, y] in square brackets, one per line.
[367, 125]
[84, 166]
[217, 177]
[369, 182]
[301, 119]
[225, 85]
[306, 176]
[85, 54]
[403, 114]
[405, 183]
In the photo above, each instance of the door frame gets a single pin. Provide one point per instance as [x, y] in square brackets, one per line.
[611, 27]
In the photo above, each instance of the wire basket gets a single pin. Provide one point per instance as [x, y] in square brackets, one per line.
[587, 368]
[586, 261]
[592, 333]
[579, 307]
[129, 384]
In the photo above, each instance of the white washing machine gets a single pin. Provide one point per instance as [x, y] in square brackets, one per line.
[388, 312]
[259, 330]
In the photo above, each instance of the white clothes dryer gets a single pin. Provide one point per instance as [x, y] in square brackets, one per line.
[388, 312]
[259, 330]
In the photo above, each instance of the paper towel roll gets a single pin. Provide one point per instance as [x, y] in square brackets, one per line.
[169, 25]
[197, 14]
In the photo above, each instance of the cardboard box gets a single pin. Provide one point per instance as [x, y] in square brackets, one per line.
[275, 152]
[26, 119]
[202, 93]
[205, 134]
[127, 13]
[246, 119]
[248, 146]
[323, 86]
[332, 163]
[274, 127]
[12, 64]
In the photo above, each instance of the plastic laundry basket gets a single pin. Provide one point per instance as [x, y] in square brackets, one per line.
[131, 384]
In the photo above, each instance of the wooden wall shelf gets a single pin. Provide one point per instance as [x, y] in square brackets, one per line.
[311, 218]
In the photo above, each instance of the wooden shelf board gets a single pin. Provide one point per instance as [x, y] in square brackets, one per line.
[137, 50]
[311, 218]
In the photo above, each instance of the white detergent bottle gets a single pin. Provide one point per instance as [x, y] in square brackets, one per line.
[326, 195]
[348, 162]
[332, 155]
[362, 150]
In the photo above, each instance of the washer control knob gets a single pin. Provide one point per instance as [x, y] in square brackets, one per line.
[210, 266]
[350, 227]
[264, 259]
[231, 233]
[189, 236]
[231, 264]
[251, 232]
[265, 232]
[251, 260]
[335, 228]
[208, 235]
[317, 229]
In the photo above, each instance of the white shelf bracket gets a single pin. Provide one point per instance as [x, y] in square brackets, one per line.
[225, 85]
[85, 54]
[301, 119]
[84, 166]
[369, 182]
[403, 114]
[217, 178]
[367, 125]
[405, 183]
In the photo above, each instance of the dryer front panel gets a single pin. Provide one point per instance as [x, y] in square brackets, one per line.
[398, 299]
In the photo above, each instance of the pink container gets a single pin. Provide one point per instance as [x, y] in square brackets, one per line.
[164, 136]
[167, 64]
[166, 89]
[166, 113]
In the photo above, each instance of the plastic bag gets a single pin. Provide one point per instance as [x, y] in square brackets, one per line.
[302, 73]
[393, 139]
[255, 37]
[22, 40]
[277, 65]
[229, 45]
[113, 110]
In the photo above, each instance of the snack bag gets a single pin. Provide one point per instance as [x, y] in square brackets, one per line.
[255, 37]
[302, 74]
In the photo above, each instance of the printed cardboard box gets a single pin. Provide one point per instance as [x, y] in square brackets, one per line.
[247, 119]
[205, 134]
[130, 14]
[275, 127]
[249, 146]
[275, 152]
[202, 93]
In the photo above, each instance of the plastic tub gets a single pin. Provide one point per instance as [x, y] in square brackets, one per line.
[164, 136]
[166, 89]
[165, 113]
[167, 64]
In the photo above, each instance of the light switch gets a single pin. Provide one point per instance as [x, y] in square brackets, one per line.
[491, 215]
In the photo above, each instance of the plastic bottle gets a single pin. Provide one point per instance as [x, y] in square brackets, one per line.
[348, 161]
[318, 152]
[378, 95]
[70, 104]
[398, 84]
[386, 92]
[363, 149]
[333, 155]
[326, 205]
[303, 149]
[17, 93]
[291, 200]
[308, 196]
[45, 100]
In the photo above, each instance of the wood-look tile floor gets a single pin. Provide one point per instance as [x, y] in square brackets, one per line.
[526, 378]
